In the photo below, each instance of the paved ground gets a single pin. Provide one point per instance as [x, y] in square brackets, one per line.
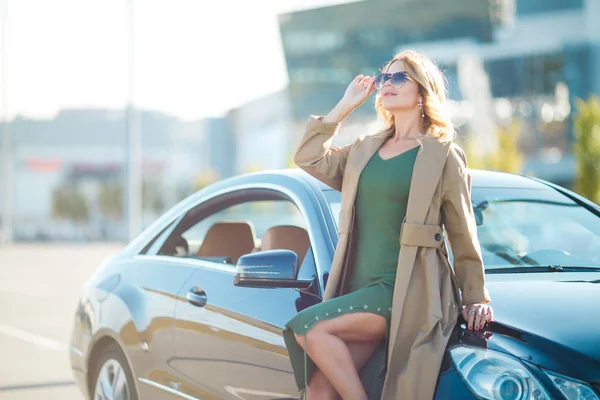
[39, 287]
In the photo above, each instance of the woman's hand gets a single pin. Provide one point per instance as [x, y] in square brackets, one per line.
[477, 315]
[357, 92]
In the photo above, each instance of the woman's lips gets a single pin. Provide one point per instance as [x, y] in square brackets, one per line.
[387, 94]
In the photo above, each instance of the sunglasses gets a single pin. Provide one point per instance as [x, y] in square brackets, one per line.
[398, 79]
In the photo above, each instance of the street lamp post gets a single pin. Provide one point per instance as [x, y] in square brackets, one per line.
[133, 189]
[6, 184]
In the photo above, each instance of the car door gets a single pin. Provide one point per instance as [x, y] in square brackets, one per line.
[232, 346]
[228, 339]
[263, 370]
[149, 285]
[149, 334]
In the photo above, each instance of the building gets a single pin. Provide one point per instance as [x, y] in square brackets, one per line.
[538, 65]
[504, 59]
[326, 47]
[263, 132]
[84, 151]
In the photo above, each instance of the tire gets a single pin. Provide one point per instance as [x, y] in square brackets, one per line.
[110, 373]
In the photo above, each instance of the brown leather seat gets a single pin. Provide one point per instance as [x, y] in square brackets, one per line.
[287, 237]
[228, 239]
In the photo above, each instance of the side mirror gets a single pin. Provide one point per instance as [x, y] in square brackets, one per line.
[269, 269]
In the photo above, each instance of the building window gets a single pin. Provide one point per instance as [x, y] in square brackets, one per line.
[542, 73]
[320, 75]
[533, 75]
[312, 42]
[527, 7]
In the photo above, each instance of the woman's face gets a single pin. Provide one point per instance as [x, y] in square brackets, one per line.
[403, 98]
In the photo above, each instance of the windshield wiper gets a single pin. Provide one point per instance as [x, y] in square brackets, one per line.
[541, 268]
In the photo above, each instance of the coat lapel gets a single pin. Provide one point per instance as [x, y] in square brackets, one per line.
[427, 172]
[370, 146]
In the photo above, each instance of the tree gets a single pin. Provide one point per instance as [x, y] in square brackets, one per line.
[587, 148]
[204, 178]
[69, 203]
[152, 195]
[290, 160]
[111, 199]
[507, 158]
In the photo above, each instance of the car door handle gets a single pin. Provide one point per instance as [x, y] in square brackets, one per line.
[196, 296]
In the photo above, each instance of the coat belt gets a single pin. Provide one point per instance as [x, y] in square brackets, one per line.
[421, 235]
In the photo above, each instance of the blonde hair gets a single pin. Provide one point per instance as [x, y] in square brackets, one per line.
[432, 88]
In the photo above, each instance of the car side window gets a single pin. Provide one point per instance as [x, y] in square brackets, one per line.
[252, 226]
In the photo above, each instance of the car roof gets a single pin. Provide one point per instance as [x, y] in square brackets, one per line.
[480, 178]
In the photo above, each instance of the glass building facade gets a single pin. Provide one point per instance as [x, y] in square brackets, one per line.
[326, 47]
[529, 59]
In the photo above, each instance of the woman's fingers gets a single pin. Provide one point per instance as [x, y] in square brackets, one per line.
[480, 318]
[470, 319]
[358, 91]
[371, 85]
[464, 313]
[363, 81]
[476, 315]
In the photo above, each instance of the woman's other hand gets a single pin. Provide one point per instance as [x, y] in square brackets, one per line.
[357, 92]
[477, 315]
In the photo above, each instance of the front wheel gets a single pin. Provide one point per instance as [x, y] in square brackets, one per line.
[112, 377]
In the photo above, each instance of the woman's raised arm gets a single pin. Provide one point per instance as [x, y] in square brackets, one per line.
[316, 154]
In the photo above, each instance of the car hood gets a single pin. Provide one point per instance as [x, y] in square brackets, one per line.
[550, 319]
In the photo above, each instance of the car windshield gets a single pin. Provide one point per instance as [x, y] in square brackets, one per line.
[528, 227]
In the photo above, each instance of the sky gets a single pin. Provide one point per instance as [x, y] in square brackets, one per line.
[191, 59]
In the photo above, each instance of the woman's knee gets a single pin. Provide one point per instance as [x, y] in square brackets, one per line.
[308, 337]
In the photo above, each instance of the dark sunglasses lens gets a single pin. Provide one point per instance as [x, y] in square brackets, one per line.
[398, 79]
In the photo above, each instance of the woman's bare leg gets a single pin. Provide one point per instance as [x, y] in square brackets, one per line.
[319, 387]
[327, 348]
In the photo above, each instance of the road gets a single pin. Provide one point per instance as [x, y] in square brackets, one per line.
[39, 287]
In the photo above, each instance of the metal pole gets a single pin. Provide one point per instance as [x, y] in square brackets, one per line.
[134, 168]
[6, 184]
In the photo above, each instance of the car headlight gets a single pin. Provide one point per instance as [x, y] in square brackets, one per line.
[496, 376]
[571, 388]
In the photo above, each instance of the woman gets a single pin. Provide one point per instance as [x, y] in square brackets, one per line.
[390, 282]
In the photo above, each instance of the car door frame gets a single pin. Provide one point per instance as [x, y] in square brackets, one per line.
[318, 230]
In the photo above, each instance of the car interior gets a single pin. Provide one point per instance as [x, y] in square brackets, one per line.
[226, 241]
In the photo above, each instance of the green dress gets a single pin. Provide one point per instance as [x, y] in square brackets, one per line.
[381, 201]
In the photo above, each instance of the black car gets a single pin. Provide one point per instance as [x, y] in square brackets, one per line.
[194, 307]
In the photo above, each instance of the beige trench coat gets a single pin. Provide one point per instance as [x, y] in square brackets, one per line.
[428, 292]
